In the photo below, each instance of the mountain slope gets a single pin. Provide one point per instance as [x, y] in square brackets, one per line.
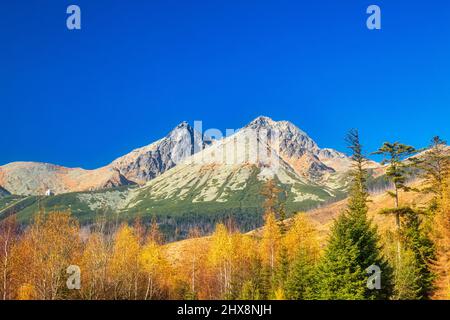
[4, 192]
[139, 166]
[322, 219]
[33, 178]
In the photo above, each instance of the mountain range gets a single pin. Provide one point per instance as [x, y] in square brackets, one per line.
[184, 180]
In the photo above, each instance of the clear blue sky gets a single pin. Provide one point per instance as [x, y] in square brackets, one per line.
[138, 68]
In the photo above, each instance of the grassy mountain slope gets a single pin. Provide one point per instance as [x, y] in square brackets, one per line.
[322, 219]
[199, 199]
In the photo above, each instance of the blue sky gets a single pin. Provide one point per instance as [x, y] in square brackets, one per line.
[138, 68]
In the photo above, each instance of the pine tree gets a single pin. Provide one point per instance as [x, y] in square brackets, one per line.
[435, 167]
[397, 171]
[406, 281]
[300, 281]
[282, 269]
[413, 275]
[354, 243]
[416, 240]
[339, 276]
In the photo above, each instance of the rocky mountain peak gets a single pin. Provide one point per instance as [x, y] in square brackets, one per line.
[183, 124]
[261, 122]
[291, 139]
[146, 163]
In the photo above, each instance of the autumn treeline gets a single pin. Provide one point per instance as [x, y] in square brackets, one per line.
[285, 259]
[133, 263]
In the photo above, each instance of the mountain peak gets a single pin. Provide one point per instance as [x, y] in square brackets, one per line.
[261, 121]
[181, 129]
[183, 124]
[146, 163]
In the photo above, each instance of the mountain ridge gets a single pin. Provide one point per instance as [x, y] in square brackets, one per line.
[35, 178]
[222, 179]
[146, 163]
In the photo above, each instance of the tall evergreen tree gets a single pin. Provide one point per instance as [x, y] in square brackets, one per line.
[397, 170]
[339, 275]
[282, 270]
[354, 243]
[395, 155]
[300, 280]
[417, 240]
[413, 275]
[435, 168]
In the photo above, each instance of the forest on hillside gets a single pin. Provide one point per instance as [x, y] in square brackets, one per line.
[281, 261]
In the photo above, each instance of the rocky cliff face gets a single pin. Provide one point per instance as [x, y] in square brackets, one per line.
[146, 163]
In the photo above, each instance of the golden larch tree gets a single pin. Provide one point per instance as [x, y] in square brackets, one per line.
[442, 241]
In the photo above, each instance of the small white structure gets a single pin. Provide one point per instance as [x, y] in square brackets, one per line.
[49, 192]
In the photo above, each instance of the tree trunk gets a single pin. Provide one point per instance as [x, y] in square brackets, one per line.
[397, 222]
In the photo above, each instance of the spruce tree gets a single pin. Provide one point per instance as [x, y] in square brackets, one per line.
[417, 241]
[413, 275]
[353, 244]
[300, 281]
[339, 276]
[282, 270]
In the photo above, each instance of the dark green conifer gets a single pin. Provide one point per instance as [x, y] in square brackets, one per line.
[354, 244]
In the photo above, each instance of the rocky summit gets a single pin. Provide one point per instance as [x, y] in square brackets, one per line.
[148, 162]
